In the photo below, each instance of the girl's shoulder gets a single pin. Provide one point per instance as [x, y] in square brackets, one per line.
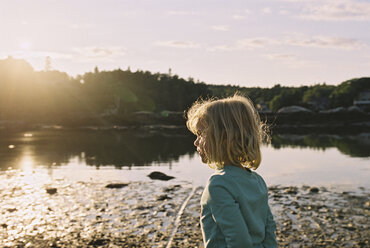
[219, 176]
[231, 175]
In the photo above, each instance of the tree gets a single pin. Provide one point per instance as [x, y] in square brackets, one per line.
[286, 98]
[317, 92]
[344, 94]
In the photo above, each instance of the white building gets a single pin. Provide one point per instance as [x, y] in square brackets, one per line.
[363, 100]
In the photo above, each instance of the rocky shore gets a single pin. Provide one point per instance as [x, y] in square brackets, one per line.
[36, 212]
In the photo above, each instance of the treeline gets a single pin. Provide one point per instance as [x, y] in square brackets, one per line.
[316, 97]
[114, 96]
[99, 96]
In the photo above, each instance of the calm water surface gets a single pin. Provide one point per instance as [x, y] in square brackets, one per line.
[320, 160]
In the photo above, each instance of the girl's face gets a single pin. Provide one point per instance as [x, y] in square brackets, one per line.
[200, 142]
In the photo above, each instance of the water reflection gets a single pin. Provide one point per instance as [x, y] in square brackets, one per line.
[137, 148]
[26, 163]
[98, 148]
[351, 145]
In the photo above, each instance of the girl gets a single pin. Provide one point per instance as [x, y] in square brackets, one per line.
[234, 206]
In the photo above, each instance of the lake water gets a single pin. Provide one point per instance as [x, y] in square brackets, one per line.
[130, 155]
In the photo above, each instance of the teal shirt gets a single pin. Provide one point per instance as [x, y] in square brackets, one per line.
[235, 210]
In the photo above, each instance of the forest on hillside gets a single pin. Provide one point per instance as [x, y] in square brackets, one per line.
[114, 96]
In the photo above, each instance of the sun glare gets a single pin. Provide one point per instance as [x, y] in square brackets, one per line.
[26, 163]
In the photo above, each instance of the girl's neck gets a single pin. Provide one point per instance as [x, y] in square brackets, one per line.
[236, 165]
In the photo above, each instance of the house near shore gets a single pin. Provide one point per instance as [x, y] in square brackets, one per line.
[363, 100]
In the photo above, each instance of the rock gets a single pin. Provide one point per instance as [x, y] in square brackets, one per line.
[323, 189]
[51, 191]
[277, 195]
[349, 227]
[363, 243]
[98, 242]
[355, 109]
[295, 204]
[163, 197]
[314, 190]
[143, 207]
[293, 109]
[305, 187]
[116, 185]
[156, 175]
[291, 190]
[54, 245]
[339, 216]
[273, 188]
[171, 188]
[169, 213]
[334, 110]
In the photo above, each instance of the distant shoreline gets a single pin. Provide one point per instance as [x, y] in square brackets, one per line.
[347, 122]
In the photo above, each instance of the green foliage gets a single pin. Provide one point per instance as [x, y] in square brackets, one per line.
[286, 98]
[317, 92]
[53, 96]
[346, 92]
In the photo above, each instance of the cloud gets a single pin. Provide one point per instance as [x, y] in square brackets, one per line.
[93, 52]
[80, 26]
[80, 53]
[299, 1]
[182, 13]
[324, 42]
[238, 17]
[266, 10]
[220, 27]
[290, 60]
[334, 10]
[241, 15]
[295, 40]
[283, 12]
[255, 42]
[178, 44]
[280, 56]
[339, 11]
[245, 44]
[132, 13]
[40, 54]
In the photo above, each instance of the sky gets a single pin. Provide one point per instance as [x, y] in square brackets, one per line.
[240, 42]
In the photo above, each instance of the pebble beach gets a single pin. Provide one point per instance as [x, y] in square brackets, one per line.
[63, 213]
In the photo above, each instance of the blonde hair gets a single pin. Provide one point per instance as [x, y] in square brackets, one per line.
[233, 130]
